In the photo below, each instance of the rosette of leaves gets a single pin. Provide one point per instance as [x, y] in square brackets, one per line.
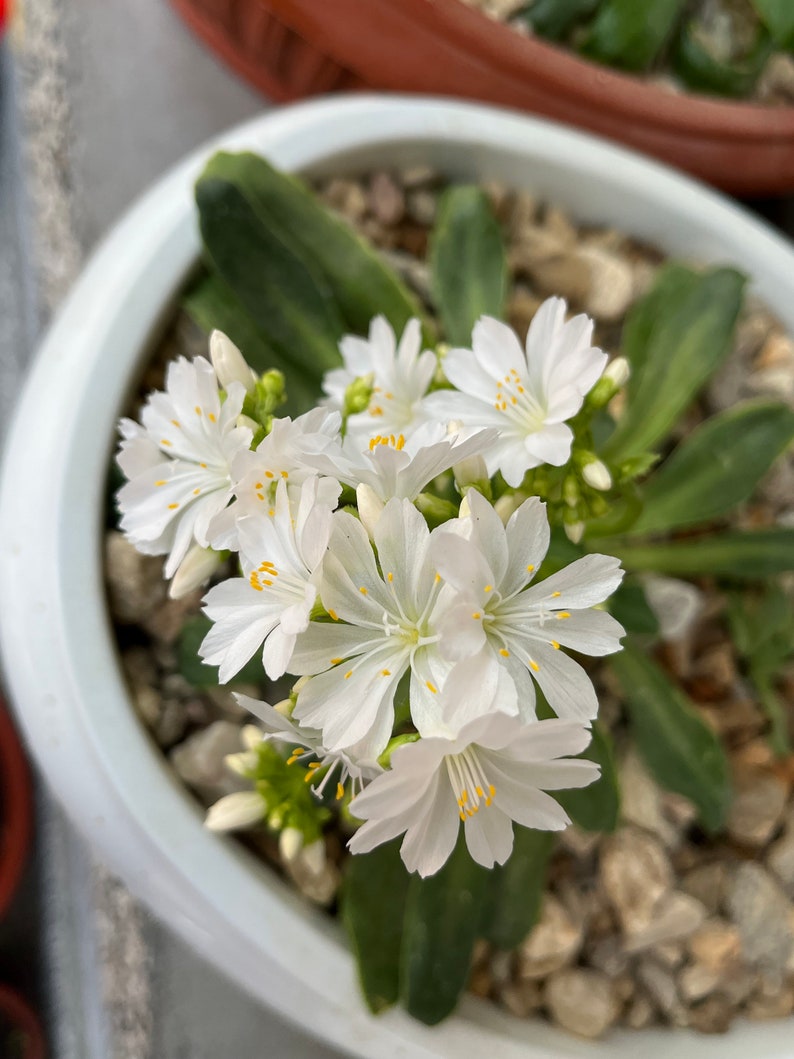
[286, 278]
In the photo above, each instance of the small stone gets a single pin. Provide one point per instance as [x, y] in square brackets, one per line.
[559, 224]
[776, 83]
[566, 275]
[313, 873]
[611, 284]
[661, 986]
[640, 1014]
[760, 910]
[608, 955]
[641, 802]
[757, 807]
[635, 873]
[522, 305]
[199, 761]
[696, 982]
[501, 968]
[553, 943]
[171, 723]
[676, 604]
[419, 176]
[715, 673]
[521, 998]
[146, 701]
[386, 199]
[669, 954]
[714, 1015]
[716, 946]
[774, 1004]
[582, 1002]
[347, 197]
[708, 883]
[225, 702]
[135, 582]
[480, 981]
[523, 206]
[165, 622]
[675, 915]
[422, 206]
[578, 842]
[780, 857]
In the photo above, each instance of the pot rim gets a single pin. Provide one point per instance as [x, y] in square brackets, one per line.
[469, 31]
[57, 642]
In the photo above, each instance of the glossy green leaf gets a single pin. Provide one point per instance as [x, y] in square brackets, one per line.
[595, 808]
[778, 17]
[703, 71]
[717, 467]
[373, 904]
[361, 282]
[211, 304]
[632, 33]
[285, 295]
[630, 607]
[199, 675]
[553, 19]
[468, 263]
[681, 751]
[754, 555]
[515, 889]
[687, 334]
[442, 921]
[672, 285]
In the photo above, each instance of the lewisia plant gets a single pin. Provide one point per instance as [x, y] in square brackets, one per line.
[393, 559]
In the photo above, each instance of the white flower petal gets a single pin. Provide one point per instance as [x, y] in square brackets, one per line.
[489, 836]
[587, 581]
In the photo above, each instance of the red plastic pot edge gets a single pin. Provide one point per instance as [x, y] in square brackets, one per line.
[16, 805]
[22, 1015]
[443, 47]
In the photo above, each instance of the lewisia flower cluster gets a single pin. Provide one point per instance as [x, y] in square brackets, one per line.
[391, 560]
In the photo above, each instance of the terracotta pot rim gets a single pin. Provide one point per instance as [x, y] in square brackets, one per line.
[602, 87]
[22, 1015]
[16, 808]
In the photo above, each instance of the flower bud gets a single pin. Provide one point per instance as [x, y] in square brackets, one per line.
[229, 363]
[618, 371]
[195, 570]
[472, 473]
[243, 764]
[507, 504]
[290, 843]
[616, 375]
[251, 737]
[574, 531]
[370, 507]
[596, 474]
[246, 421]
[242, 809]
[286, 706]
[358, 395]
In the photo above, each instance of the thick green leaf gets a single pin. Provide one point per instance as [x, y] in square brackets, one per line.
[211, 304]
[553, 19]
[750, 556]
[442, 921]
[778, 17]
[468, 263]
[199, 675]
[595, 808]
[515, 889]
[632, 33]
[285, 296]
[672, 284]
[630, 607]
[362, 284]
[716, 467]
[703, 71]
[678, 747]
[373, 904]
[687, 333]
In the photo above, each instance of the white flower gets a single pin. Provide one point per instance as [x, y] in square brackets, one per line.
[396, 466]
[282, 454]
[280, 552]
[528, 395]
[393, 614]
[401, 375]
[307, 743]
[498, 621]
[493, 773]
[179, 461]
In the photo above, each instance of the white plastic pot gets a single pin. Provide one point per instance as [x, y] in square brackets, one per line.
[57, 641]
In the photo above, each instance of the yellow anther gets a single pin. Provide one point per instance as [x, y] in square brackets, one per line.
[385, 672]
[389, 396]
[488, 588]
[260, 496]
[285, 474]
[477, 615]
[259, 485]
[497, 406]
[266, 582]
[173, 507]
[336, 661]
[203, 465]
[556, 595]
[175, 422]
[437, 578]
[390, 578]
[197, 410]
[462, 815]
[363, 591]
[272, 512]
[531, 568]
[165, 441]
[480, 792]
[534, 666]
[314, 765]
[196, 492]
[555, 645]
[376, 410]
[333, 614]
[269, 474]
[298, 750]
[513, 400]
[340, 792]
[431, 687]
[464, 797]
[564, 614]
[400, 442]
[504, 652]
[161, 482]
[348, 674]
[211, 417]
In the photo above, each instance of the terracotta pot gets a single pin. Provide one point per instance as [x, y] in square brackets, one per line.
[294, 48]
[16, 814]
[21, 1036]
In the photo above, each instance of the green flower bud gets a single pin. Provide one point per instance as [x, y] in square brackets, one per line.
[358, 395]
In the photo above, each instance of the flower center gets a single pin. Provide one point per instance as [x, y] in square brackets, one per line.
[387, 439]
[517, 403]
[469, 782]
